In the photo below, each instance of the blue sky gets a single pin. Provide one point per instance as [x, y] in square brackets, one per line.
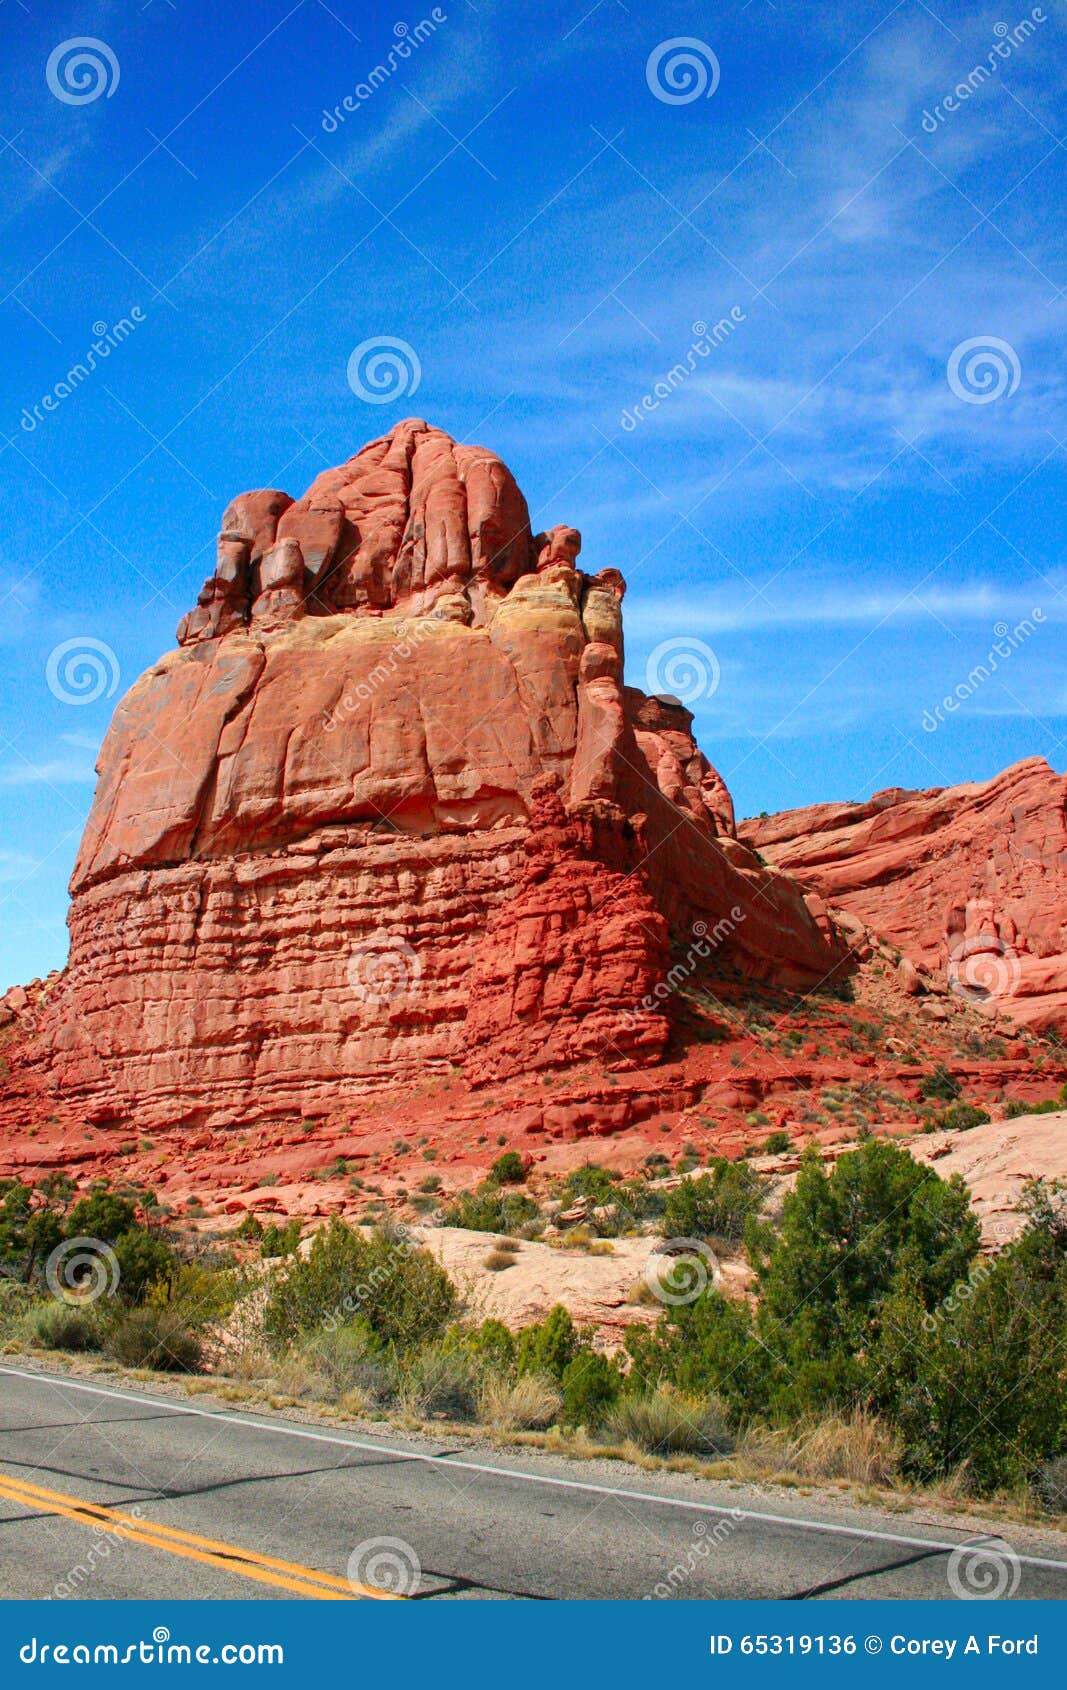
[815, 503]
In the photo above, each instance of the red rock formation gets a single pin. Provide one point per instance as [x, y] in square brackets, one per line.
[970, 882]
[570, 963]
[303, 875]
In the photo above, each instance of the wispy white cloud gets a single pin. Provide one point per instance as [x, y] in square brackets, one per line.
[727, 610]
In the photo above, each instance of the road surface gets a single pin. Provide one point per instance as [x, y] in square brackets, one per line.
[108, 1491]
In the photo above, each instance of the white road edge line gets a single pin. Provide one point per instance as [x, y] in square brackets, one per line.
[284, 1429]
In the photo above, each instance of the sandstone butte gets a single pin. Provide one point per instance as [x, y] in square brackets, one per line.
[387, 808]
[385, 853]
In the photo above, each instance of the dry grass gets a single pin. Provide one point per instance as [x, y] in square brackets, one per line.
[497, 1260]
[858, 1448]
[641, 1294]
[667, 1422]
[527, 1404]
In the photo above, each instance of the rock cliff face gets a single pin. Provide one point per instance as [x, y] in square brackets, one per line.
[388, 808]
[970, 882]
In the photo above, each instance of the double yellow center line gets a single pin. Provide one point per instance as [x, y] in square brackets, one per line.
[228, 1557]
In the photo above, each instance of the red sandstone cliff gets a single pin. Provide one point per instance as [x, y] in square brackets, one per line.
[388, 808]
[970, 882]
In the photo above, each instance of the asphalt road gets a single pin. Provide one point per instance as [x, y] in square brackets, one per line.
[108, 1491]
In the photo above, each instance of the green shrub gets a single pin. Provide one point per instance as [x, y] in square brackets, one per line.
[489, 1209]
[103, 1214]
[591, 1385]
[400, 1291]
[848, 1235]
[155, 1338]
[704, 1347]
[63, 1326]
[962, 1117]
[596, 1185]
[491, 1344]
[939, 1086]
[250, 1227]
[718, 1204]
[548, 1345]
[977, 1381]
[280, 1240]
[144, 1260]
[508, 1169]
[1047, 1106]
[776, 1143]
